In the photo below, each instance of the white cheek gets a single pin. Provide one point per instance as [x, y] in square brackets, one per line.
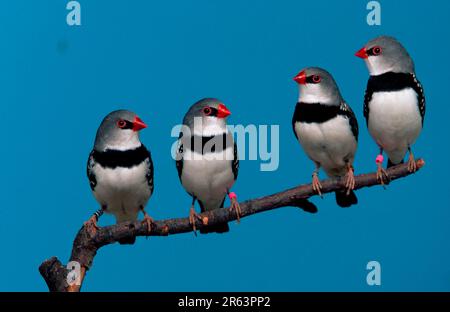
[209, 126]
[376, 67]
[312, 93]
[128, 140]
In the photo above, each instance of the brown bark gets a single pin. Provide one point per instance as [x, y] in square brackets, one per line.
[85, 245]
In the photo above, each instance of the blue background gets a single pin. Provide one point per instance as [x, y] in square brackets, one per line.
[157, 58]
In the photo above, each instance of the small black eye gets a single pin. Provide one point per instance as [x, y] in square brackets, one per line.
[376, 50]
[207, 111]
[121, 123]
[316, 78]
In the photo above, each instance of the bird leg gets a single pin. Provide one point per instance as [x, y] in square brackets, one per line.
[193, 215]
[382, 175]
[350, 178]
[91, 224]
[148, 220]
[412, 166]
[235, 206]
[317, 187]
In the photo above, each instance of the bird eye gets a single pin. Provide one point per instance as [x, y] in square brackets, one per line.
[121, 123]
[316, 78]
[207, 111]
[376, 50]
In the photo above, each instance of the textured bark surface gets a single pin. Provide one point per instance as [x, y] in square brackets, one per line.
[85, 245]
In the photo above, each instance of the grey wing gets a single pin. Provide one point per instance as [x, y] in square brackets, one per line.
[235, 163]
[348, 112]
[90, 172]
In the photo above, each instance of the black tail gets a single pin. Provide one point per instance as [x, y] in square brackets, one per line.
[219, 228]
[127, 241]
[344, 200]
[391, 164]
[307, 206]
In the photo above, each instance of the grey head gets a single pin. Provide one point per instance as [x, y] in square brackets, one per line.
[316, 85]
[207, 117]
[385, 54]
[119, 130]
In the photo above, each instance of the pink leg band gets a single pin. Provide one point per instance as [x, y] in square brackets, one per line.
[232, 195]
[379, 159]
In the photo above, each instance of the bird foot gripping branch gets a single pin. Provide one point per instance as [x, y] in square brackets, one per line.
[148, 221]
[350, 179]
[193, 216]
[412, 165]
[316, 185]
[382, 175]
[235, 206]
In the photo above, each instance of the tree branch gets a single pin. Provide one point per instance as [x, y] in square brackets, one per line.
[85, 245]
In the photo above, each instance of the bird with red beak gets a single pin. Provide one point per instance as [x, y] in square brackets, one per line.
[394, 103]
[327, 129]
[207, 161]
[120, 170]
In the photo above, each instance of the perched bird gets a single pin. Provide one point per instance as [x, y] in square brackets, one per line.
[327, 129]
[120, 169]
[207, 160]
[394, 103]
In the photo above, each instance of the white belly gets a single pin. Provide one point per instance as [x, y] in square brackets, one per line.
[206, 178]
[330, 143]
[395, 121]
[122, 190]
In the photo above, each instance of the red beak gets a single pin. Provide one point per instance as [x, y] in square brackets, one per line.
[222, 111]
[138, 124]
[300, 78]
[362, 53]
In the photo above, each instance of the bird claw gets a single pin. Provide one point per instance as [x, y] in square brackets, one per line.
[91, 225]
[382, 176]
[235, 207]
[192, 216]
[148, 220]
[350, 180]
[412, 165]
[317, 187]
